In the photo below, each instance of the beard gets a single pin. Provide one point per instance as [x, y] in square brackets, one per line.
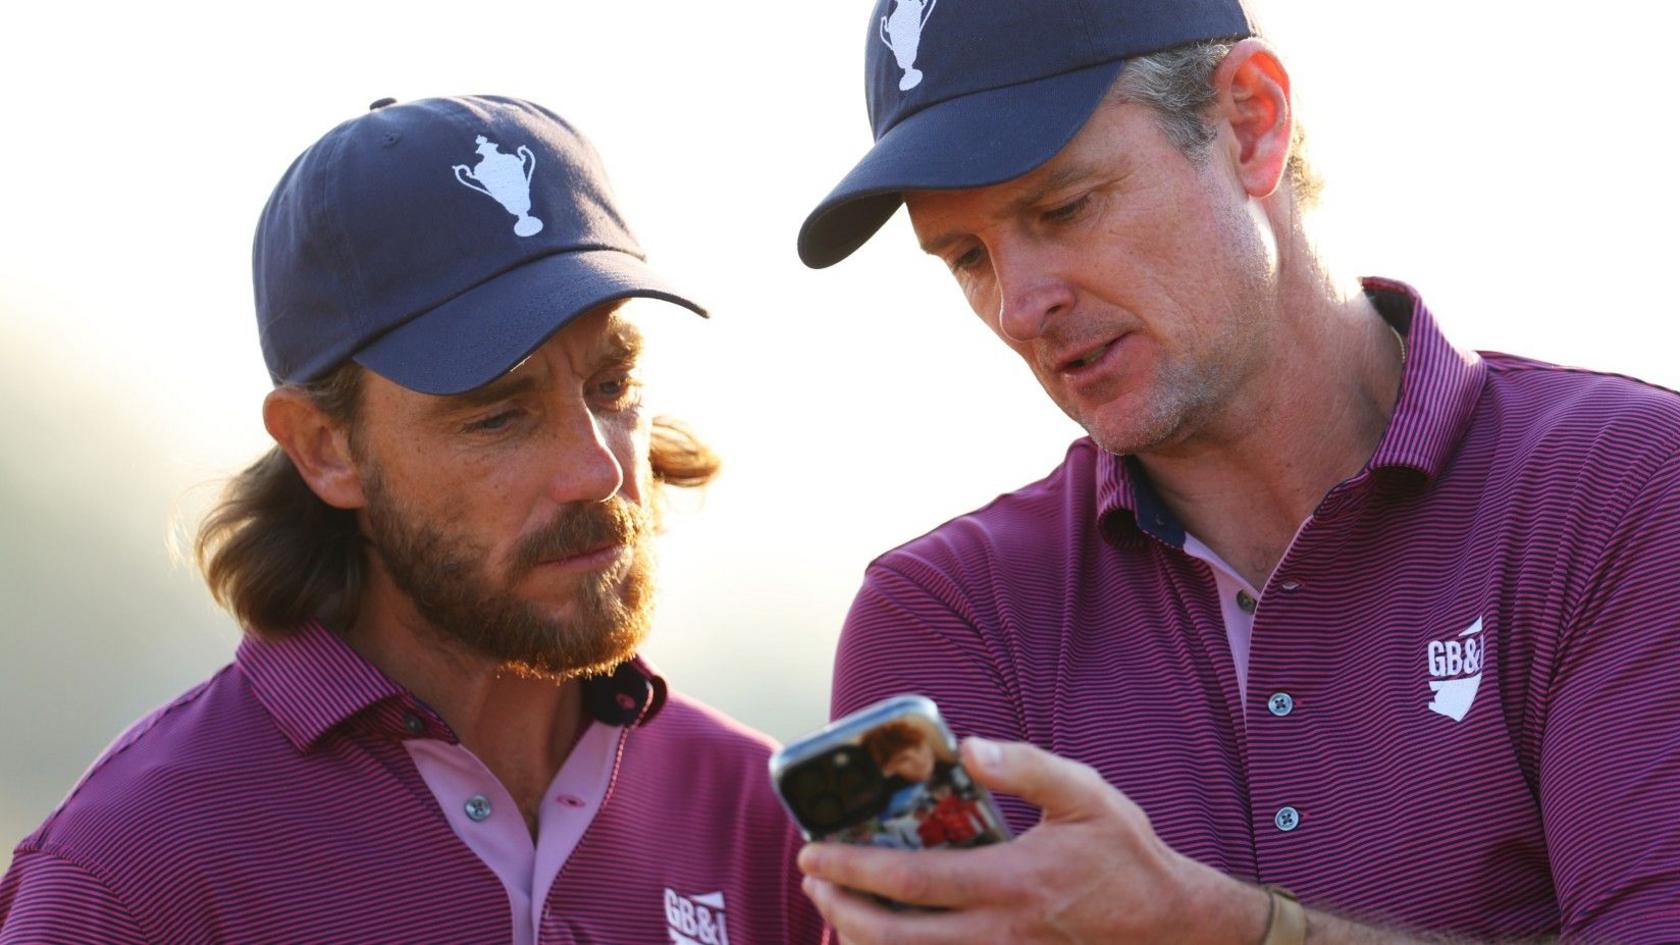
[447, 576]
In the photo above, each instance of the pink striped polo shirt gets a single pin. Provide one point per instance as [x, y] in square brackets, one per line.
[1461, 708]
[280, 801]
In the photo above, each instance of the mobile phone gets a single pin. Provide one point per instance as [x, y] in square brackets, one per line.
[888, 775]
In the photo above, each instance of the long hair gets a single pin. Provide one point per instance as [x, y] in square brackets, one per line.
[885, 741]
[275, 555]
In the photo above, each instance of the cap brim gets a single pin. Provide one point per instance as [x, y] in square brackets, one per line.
[973, 141]
[479, 335]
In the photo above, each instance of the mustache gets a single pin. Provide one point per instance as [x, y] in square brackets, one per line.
[583, 527]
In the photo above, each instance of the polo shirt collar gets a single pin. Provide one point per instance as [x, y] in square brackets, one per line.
[311, 682]
[1439, 388]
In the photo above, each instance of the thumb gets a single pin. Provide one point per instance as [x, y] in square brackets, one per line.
[1065, 790]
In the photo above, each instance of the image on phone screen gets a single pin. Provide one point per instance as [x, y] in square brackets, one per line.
[889, 777]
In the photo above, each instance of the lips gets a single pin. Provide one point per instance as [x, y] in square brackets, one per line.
[1085, 357]
[593, 558]
[584, 534]
[611, 546]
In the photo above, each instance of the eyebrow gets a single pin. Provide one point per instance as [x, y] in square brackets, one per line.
[622, 345]
[1053, 181]
[937, 245]
[502, 388]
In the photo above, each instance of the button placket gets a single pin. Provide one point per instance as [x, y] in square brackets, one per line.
[1280, 705]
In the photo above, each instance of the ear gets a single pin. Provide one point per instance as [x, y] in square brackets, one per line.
[318, 447]
[1252, 88]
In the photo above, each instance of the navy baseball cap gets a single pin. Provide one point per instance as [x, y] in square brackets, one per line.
[969, 93]
[438, 243]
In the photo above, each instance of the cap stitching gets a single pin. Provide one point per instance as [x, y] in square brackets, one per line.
[1081, 67]
[1089, 32]
[352, 276]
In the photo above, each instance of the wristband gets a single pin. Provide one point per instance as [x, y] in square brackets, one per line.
[1286, 923]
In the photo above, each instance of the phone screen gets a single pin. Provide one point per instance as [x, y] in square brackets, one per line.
[888, 776]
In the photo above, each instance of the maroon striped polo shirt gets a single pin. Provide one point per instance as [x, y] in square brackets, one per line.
[1462, 707]
[277, 803]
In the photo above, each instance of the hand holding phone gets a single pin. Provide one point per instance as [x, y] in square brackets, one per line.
[888, 775]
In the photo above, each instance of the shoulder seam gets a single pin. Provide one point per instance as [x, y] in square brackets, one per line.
[1499, 361]
[1646, 476]
[57, 852]
[185, 699]
[1080, 443]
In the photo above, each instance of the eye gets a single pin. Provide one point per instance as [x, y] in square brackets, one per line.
[620, 391]
[494, 422]
[968, 260]
[1062, 213]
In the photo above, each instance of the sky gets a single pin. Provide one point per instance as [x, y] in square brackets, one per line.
[1513, 161]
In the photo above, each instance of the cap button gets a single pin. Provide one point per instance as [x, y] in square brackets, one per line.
[381, 103]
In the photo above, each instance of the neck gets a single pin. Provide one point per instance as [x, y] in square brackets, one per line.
[1309, 417]
[520, 726]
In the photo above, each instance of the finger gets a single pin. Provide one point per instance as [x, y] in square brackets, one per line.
[933, 878]
[1066, 790]
[859, 920]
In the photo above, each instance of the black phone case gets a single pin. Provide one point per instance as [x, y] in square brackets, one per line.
[888, 775]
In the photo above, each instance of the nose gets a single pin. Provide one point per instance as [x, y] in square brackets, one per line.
[588, 469]
[1031, 294]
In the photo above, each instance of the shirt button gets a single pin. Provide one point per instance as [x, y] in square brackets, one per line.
[1281, 704]
[413, 723]
[478, 808]
[1246, 601]
[1291, 586]
[1287, 819]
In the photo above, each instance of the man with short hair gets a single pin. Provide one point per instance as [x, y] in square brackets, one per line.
[1322, 604]
[437, 728]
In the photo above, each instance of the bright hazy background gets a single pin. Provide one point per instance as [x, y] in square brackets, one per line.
[1513, 160]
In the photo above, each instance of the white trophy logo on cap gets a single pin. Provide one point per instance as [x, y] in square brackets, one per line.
[902, 32]
[506, 178]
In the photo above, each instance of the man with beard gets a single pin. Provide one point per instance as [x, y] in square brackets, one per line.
[1322, 603]
[436, 728]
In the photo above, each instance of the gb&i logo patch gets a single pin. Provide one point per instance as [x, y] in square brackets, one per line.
[696, 920]
[1455, 670]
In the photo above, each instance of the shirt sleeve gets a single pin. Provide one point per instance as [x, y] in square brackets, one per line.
[805, 925]
[915, 631]
[46, 900]
[1609, 773]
